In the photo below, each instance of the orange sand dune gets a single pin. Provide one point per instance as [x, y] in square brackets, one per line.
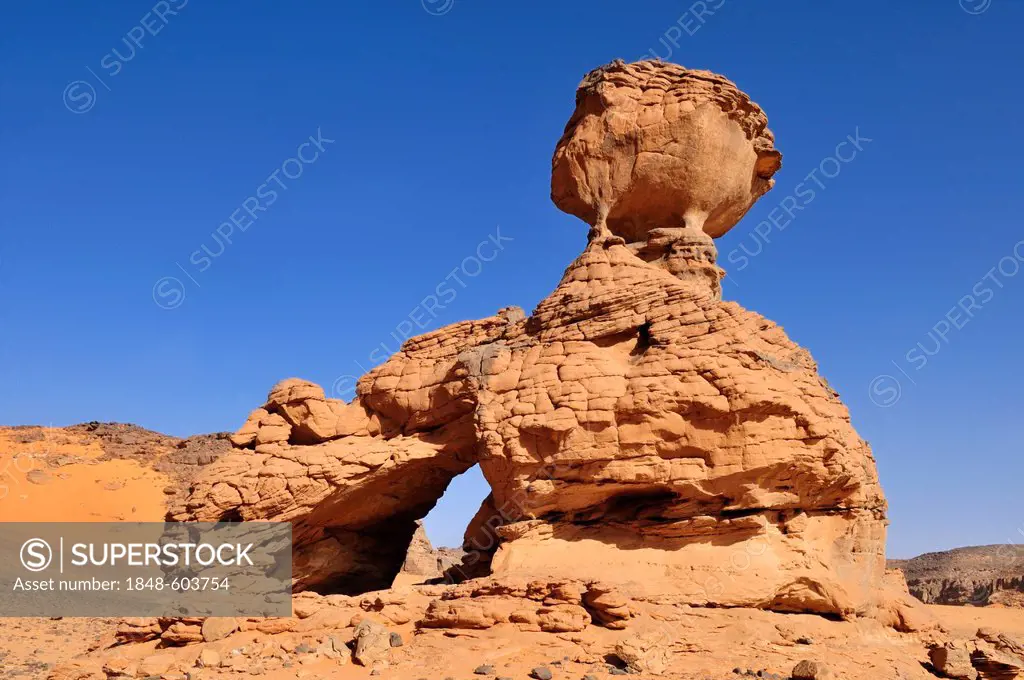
[47, 475]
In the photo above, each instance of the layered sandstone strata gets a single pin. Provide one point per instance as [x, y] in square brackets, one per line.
[636, 430]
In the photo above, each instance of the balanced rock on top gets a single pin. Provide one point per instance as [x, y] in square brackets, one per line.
[655, 145]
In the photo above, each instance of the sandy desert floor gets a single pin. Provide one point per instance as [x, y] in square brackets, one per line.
[50, 475]
[61, 475]
[706, 644]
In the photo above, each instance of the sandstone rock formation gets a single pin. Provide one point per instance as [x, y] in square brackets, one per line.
[657, 145]
[668, 471]
[420, 558]
[425, 562]
[978, 576]
[636, 430]
[989, 656]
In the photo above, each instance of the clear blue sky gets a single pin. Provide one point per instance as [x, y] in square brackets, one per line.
[443, 124]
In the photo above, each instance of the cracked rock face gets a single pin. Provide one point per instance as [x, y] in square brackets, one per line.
[635, 429]
[655, 145]
[638, 427]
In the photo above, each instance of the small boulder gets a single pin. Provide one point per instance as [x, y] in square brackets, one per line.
[541, 673]
[333, 648]
[209, 658]
[812, 670]
[644, 652]
[217, 628]
[953, 660]
[373, 642]
[119, 668]
[38, 477]
[157, 664]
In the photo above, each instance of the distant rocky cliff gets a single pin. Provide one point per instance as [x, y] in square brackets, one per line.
[980, 575]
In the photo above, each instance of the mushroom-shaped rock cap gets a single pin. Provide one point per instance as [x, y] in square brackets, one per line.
[654, 145]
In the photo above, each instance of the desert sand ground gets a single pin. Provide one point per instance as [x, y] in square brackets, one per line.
[49, 475]
[710, 644]
[57, 475]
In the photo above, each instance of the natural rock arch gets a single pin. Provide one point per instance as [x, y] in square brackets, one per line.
[354, 478]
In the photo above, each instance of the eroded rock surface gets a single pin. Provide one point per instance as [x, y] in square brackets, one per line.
[655, 145]
[354, 478]
[635, 429]
[424, 561]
